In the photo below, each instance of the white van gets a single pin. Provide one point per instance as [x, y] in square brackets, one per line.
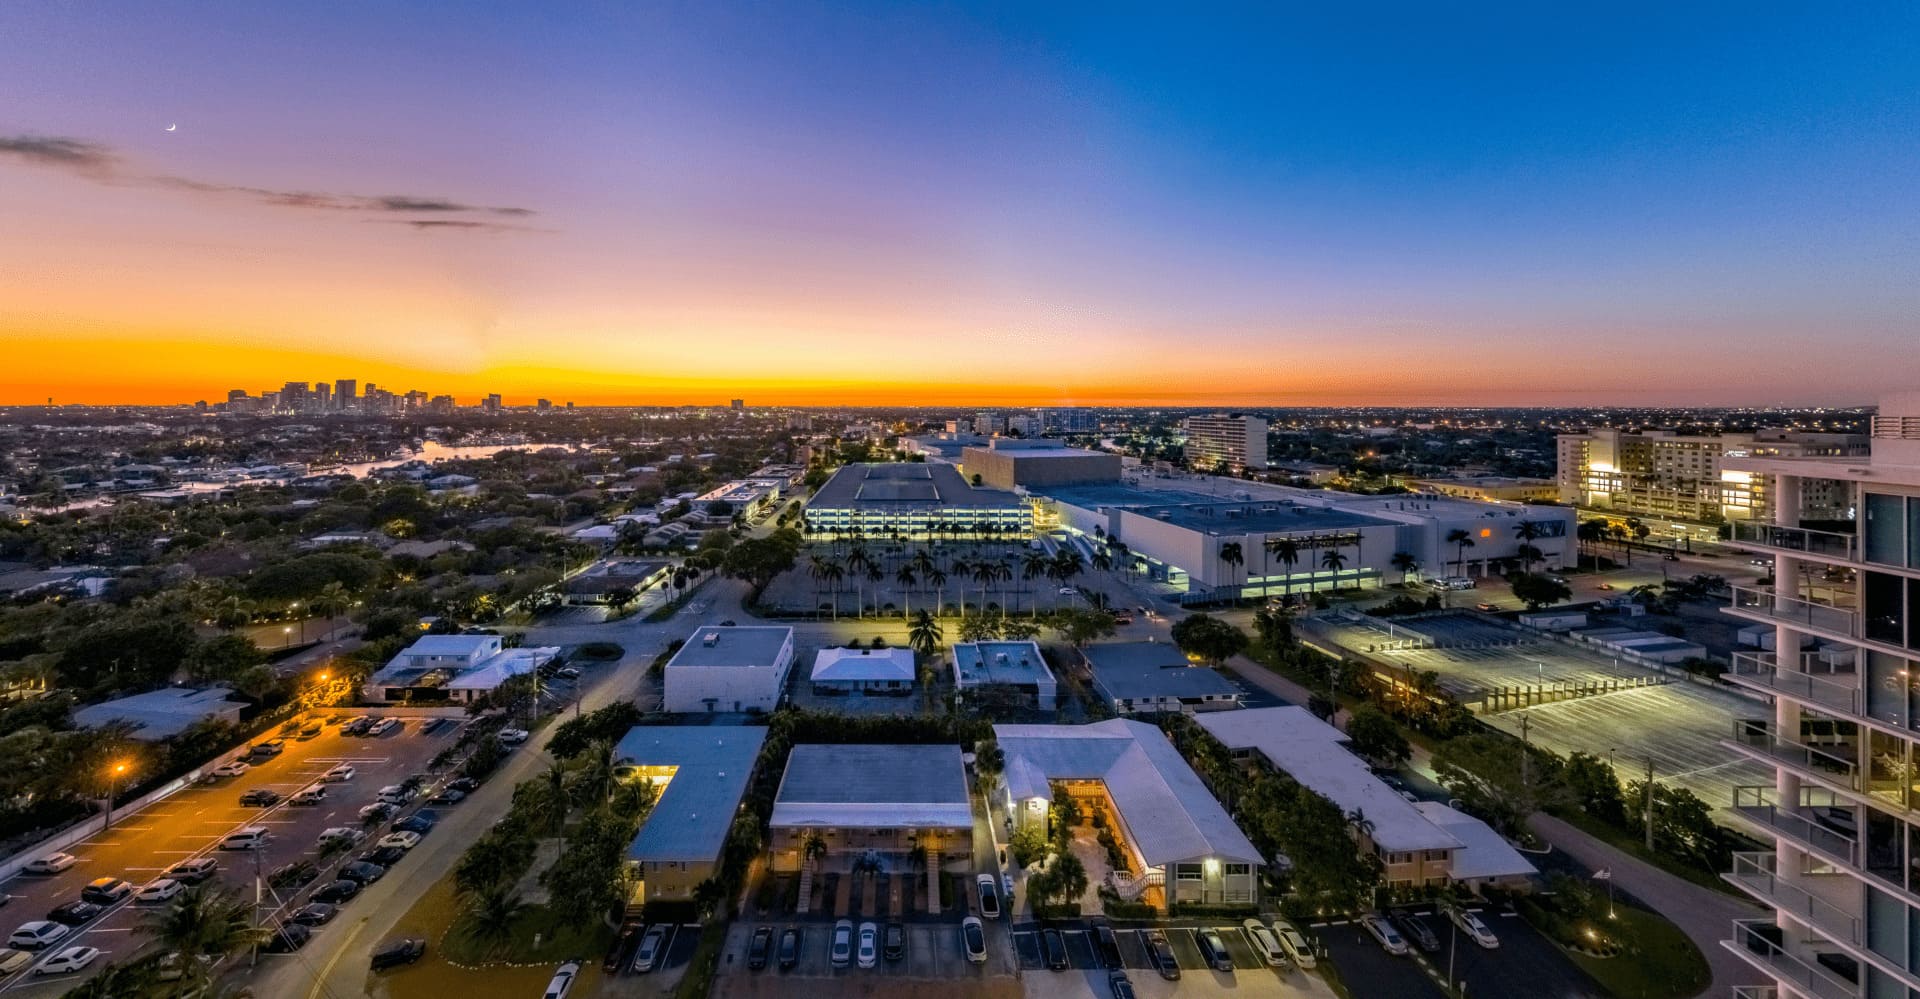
[250, 838]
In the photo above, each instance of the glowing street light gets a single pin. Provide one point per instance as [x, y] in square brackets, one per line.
[118, 771]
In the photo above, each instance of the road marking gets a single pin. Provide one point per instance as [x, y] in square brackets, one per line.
[320, 980]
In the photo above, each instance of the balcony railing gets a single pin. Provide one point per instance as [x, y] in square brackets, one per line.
[1754, 872]
[1766, 602]
[1756, 804]
[1762, 669]
[1753, 939]
[1796, 540]
[1756, 992]
[1761, 736]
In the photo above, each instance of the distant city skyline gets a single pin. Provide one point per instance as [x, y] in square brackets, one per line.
[867, 204]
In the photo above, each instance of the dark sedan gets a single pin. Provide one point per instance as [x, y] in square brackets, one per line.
[363, 872]
[1056, 947]
[337, 892]
[395, 953]
[314, 914]
[758, 947]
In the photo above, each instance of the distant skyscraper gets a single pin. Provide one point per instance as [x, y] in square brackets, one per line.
[544, 405]
[322, 397]
[739, 404]
[988, 422]
[345, 393]
[1658, 473]
[491, 403]
[1238, 441]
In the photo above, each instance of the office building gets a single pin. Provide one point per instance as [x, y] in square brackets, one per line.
[1180, 844]
[1659, 473]
[346, 393]
[1235, 441]
[726, 668]
[700, 774]
[1010, 463]
[916, 501]
[1841, 873]
[737, 405]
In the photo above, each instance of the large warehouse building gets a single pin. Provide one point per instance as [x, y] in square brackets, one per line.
[1014, 462]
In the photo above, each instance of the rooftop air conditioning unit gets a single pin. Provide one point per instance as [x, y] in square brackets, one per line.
[710, 639]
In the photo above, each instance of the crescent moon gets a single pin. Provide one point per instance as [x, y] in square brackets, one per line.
[173, 126]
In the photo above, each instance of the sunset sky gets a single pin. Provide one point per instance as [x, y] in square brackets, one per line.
[1028, 203]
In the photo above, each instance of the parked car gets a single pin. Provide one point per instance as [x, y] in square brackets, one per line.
[1106, 944]
[314, 914]
[362, 872]
[250, 838]
[52, 863]
[648, 956]
[1119, 984]
[989, 896]
[868, 954]
[449, 796]
[464, 785]
[400, 840]
[420, 822]
[1054, 946]
[379, 811]
[357, 725]
[268, 750]
[896, 942]
[1472, 926]
[260, 797]
[193, 871]
[384, 856]
[1382, 931]
[340, 835]
[1416, 929]
[562, 981]
[38, 935]
[68, 961]
[231, 768]
[1162, 953]
[973, 936]
[759, 946]
[76, 913]
[394, 794]
[105, 891]
[1213, 949]
[310, 730]
[395, 953]
[310, 796]
[159, 890]
[511, 736]
[383, 726]
[337, 892]
[339, 775]
[288, 938]
[789, 948]
[294, 875]
[842, 950]
[1294, 942]
[1264, 942]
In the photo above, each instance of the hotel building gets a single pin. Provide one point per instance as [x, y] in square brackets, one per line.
[1842, 874]
[1658, 473]
[1238, 441]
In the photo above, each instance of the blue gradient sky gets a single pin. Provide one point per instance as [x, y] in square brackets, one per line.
[874, 203]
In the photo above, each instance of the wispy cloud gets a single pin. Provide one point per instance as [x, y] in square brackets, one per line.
[461, 225]
[101, 164]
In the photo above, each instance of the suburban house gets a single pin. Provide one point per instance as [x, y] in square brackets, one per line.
[1137, 677]
[863, 671]
[456, 669]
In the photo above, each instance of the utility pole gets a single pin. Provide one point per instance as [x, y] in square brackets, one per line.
[1649, 795]
[1526, 751]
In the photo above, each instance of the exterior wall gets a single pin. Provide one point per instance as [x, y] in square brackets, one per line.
[1240, 441]
[1413, 868]
[787, 844]
[1218, 882]
[1148, 705]
[689, 689]
[920, 522]
[1005, 469]
[671, 880]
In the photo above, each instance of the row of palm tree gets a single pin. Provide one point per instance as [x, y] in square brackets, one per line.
[922, 569]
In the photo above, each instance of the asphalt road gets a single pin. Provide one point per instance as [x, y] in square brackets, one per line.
[189, 824]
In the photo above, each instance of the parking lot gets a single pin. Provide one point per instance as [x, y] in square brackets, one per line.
[190, 824]
[1525, 964]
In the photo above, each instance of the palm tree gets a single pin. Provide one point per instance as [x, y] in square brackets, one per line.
[1102, 561]
[1232, 555]
[332, 601]
[984, 573]
[1461, 540]
[906, 580]
[815, 848]
[1287, 551]
[204, 919]
[924, 634]
[833, 574]
[937, 578]
[857, 565]
[875, 576]
[1067, 565]
[1527, 532]
[1407, 564]
[1334, 560]
[1033, 565]
[490, 919]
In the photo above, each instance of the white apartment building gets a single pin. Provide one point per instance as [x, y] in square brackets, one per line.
[1659, 473]
[1239, 441]
[727, 668]
[1843, 738]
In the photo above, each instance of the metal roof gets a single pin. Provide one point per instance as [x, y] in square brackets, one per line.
[1141, 670]
[695, 810]
[857, 665]
[874, 787]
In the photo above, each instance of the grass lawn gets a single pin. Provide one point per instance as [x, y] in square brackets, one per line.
[1659, 963]
[1635, 844]
[433, 978]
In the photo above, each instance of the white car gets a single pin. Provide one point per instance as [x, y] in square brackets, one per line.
[1390, 939]
[973, 937]
[384, 725]
[841, 953]
[38, 935]
[1294, 942]
[1264, 942]
[562, 982]
[401, 840]
[1472, 926]
[338, 775]
[249, 838]
[52, 863]
[159, 891]
[511, 736]
[231, 768]
[69, 960]
[869, 953]
[341, 834]
[310, 796]
[394, 794]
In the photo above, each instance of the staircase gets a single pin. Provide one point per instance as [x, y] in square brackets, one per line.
[806, 890]
[933, 882]
[1131, 886]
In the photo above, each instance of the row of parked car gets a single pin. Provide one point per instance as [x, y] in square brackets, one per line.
[96, 897]
[1397, 926]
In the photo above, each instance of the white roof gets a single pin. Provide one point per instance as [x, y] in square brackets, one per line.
[1171, 815]
[449, 645]
[1314, 753]
[862, 665]
[494, 670]
[1485, 855]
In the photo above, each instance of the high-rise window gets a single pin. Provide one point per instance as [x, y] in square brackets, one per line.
[1886, 529]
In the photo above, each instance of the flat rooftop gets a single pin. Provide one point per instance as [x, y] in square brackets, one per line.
[159, 714]
[727, 645]
[1000, 662]
[928, 484]
[1315, 754]
[1143, 670]
[1256, 517]
[874, 787]
[712, 764]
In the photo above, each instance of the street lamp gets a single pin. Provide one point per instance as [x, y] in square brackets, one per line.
[113, 791]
